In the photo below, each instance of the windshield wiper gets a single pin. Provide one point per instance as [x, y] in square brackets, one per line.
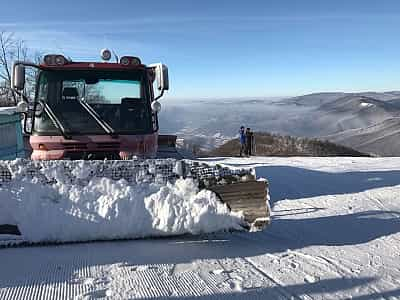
[55, 120]
[103, 124]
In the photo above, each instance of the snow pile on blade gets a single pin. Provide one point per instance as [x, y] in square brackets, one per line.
[92, 200]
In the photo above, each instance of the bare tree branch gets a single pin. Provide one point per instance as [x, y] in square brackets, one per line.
[3, 77]
[11, 49]
[6, 54]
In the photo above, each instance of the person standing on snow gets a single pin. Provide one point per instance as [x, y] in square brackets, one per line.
[242, 140]
[249, 141]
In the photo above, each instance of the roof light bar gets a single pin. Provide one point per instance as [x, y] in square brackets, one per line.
[54, 60]
[130, 60]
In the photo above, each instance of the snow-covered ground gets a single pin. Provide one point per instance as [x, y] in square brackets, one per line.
[334, 235]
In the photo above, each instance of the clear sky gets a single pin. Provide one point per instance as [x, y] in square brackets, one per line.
[217, 48]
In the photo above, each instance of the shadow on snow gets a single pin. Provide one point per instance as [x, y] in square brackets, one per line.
[283, 234]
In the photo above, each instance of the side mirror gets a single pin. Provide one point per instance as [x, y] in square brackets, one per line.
[18, 76]
[161, 72]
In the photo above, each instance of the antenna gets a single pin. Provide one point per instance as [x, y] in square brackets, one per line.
[115, 56]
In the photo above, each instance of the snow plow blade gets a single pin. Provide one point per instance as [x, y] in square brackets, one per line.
[237, 188]
[249, 197]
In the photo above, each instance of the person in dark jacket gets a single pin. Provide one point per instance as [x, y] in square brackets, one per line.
[242, 140]
[249, 141]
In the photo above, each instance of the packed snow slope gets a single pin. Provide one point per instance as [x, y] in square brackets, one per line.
[334, 235]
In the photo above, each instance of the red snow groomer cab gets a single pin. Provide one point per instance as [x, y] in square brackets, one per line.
[92, 110]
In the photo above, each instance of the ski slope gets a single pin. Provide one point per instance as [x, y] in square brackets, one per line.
[334, 235]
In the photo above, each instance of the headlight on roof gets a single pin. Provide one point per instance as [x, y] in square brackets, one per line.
[130, 60]
[54, 60]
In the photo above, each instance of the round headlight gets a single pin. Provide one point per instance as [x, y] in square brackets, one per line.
[106, 54]
[38, 109]
[135, 61]
[60, 60]
[156, 106]
[48, 59]
[22, 107]
[125, 61]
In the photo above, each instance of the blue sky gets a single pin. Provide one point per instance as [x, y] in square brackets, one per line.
[228, 48]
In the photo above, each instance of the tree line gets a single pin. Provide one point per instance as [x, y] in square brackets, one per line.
[268, 144]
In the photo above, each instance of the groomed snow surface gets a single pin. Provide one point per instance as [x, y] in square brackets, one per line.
[334, 235]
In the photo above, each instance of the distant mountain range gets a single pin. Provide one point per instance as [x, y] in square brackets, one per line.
[322, 98]
[382, 138]
[368, 122]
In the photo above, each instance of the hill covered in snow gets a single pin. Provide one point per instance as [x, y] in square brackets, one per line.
[382, 137]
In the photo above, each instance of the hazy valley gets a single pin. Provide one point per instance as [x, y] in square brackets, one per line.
[368, 122]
